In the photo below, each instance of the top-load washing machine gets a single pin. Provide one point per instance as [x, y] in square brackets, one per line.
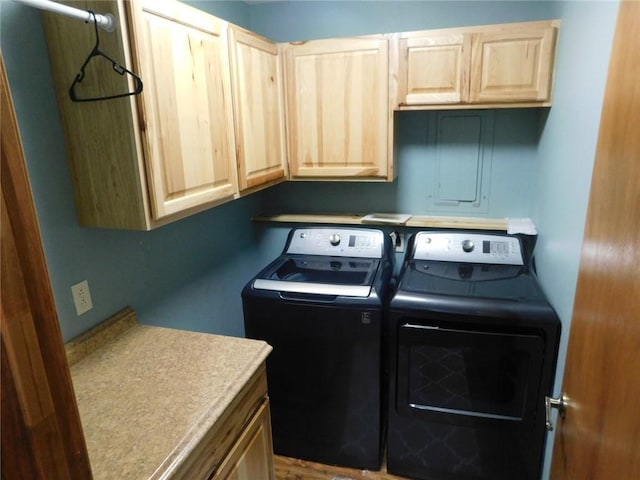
[473, 347]
[319, 305]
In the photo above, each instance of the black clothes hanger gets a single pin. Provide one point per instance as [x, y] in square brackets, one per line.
[96, 52]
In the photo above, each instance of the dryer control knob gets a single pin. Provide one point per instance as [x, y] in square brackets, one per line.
[468, 246]
[334, 239]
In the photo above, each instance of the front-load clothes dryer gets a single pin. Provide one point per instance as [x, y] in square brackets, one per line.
[473, 347]
[319, 305]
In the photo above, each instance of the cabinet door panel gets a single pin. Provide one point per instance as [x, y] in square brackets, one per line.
[512, 66]
[337, 92]
[251, 457]
[434, 69]
[102, 138]
[189, 118]
[259, 109]
[505, 65]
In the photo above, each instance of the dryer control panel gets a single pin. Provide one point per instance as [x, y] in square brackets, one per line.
[340, 242]
[468, 248]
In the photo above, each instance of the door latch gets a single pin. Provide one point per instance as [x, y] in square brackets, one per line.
[559, 403]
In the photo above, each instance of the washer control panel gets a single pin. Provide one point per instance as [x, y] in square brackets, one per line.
[340, 242]
[468, 247]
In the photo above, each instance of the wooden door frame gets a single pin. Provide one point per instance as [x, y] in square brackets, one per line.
[42, 435]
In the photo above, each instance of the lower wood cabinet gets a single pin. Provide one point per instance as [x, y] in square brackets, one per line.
[239, 445]
[251, 458]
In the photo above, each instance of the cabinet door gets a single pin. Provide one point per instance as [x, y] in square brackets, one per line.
[259, 109]
[102, 138]
[187, 106]
[434, 69]
[338, 108]
[252, 456]
[512, 65]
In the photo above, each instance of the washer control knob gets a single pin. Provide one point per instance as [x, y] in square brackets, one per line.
[468, 246]
[334, 239]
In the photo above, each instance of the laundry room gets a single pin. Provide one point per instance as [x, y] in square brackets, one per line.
[525, 165]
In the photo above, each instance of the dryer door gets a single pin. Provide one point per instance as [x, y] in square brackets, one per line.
[468, 377]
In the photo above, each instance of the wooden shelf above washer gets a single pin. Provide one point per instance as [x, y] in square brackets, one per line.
[415, 221]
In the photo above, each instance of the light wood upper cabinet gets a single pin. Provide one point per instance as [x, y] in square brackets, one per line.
[225, 112]
[258, 95]
[187, 105]
[435, 68]
[142, 161]
[487, 66]
[338, 113]
[513, 63]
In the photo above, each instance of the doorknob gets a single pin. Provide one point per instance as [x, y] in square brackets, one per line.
[559, 403]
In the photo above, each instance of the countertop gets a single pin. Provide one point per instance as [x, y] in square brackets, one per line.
[147, 395]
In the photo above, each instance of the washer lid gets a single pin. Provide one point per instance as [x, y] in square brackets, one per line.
[340, 276]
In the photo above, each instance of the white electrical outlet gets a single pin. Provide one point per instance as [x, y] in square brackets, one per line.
[81, 297]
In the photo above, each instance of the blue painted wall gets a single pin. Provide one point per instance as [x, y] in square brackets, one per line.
[305, 20]
[566, 151]
[566, 154]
